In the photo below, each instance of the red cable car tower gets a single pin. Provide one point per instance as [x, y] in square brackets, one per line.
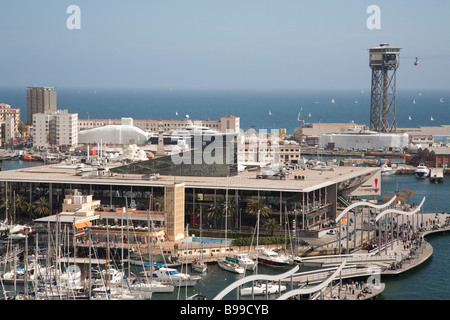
[384, 61]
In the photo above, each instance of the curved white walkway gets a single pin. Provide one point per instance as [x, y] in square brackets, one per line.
[237, 283]
[314, 288]
[408, 213]
[364, 204]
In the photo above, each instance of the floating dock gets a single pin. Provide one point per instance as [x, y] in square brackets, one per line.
[436, 175]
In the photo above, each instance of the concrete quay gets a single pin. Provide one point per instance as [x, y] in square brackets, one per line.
[409, 255]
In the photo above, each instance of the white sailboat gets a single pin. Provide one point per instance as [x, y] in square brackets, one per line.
[229, 263]
[245, 261]
[409, 118]
[432, 119]
[200, 265]
[332, 100]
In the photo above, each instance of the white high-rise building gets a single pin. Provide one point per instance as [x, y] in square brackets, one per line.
[55, 128]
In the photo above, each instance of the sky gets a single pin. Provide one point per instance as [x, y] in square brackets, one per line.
[218, 44]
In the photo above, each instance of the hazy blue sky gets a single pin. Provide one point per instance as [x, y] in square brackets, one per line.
[258, 44]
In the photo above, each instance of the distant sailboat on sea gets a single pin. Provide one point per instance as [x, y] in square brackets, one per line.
[332, 101]
[414, 101]
[441, 100]
[309, 115]
[432, 119]
[270, 113]
[356, 101]
[409, 117]
[298, 117]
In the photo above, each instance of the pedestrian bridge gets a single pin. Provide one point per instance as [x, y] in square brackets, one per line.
[355, 259]
[321, 275]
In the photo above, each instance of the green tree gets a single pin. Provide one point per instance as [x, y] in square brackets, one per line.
[256, 205]
[215, 212]
[41, 207]
[272, 225]
[20, 204]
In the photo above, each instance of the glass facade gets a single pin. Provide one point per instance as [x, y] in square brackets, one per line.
[310, 207]
[209, 161]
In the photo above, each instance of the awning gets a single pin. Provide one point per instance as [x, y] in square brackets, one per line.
[82, 225]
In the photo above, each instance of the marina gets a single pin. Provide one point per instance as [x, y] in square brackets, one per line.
[217, 160]
[311, 270]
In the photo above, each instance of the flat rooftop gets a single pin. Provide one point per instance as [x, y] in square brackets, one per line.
[245, 180]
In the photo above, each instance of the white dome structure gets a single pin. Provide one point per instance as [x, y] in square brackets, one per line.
[123, 134]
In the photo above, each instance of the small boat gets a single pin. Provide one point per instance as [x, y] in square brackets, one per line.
[152, 286]
[200, 266]
[387, 171]
[27, 157]
[273, 259]
[231, 266]
[173, 275]
[421, 171]
[260, 288]
[245, 261]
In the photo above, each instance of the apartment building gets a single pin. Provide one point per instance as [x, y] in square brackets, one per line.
[40, 100]
[7, 112]
[56, 128]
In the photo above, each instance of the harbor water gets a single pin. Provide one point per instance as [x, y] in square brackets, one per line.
[427, 281]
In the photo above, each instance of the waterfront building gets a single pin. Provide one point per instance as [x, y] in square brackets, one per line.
[13, 113]
[430, 134]
[432, 157]
[40, 100]
[225, 124]
[364, 140]
[8, 132]
[124, 133]
[309, 133]
[55, 128]
[311, 200]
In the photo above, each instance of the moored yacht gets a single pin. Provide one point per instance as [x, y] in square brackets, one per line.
[387, 171]
[261, 288]
[273, 259]
[173, 275]
[230, 265]
[191, 134]
[422, 171]
[244, 261]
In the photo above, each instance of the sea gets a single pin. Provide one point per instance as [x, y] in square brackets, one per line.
[259, 109]
[275, 109]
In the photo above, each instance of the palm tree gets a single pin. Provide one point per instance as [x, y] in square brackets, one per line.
[28, 208]
[215, 212]
[256, 205]
[41, 206]
[231, 210]
[272, 225]
[20, 203]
